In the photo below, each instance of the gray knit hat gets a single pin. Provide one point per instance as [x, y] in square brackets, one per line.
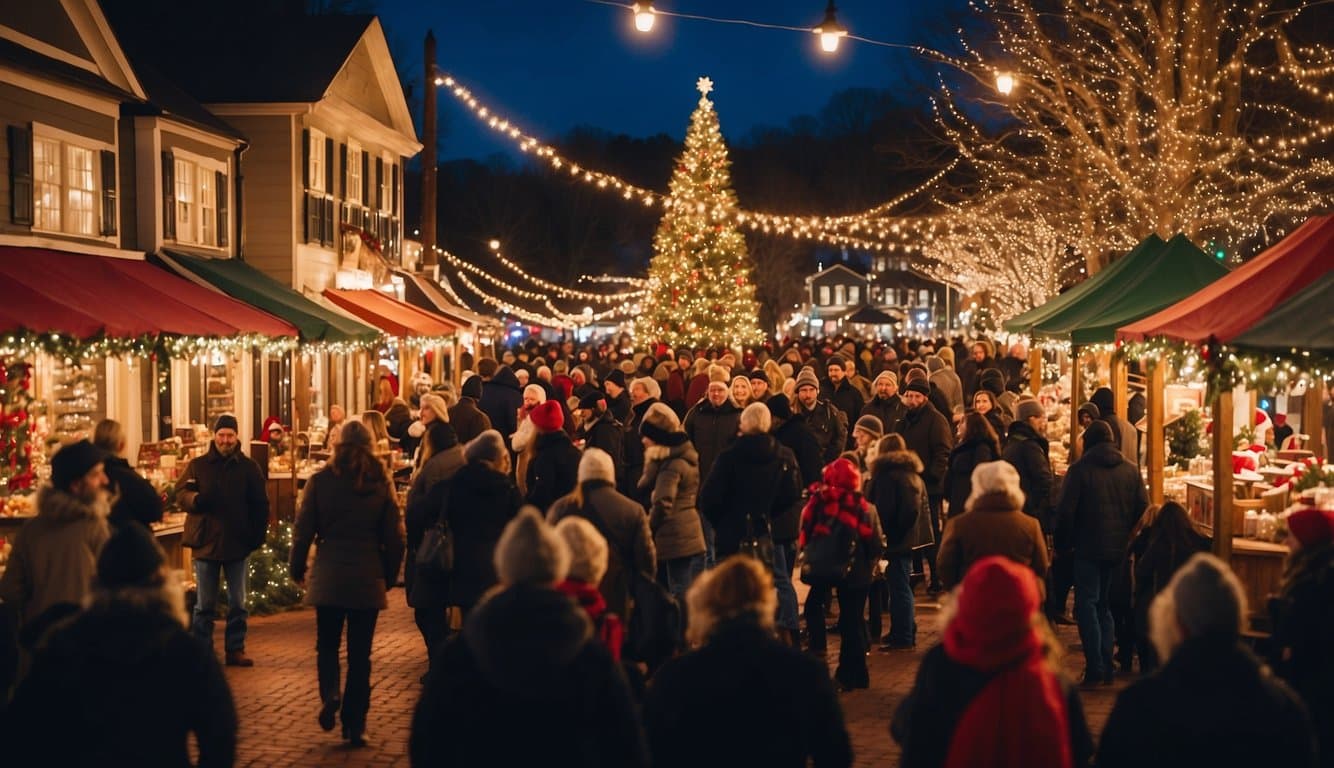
[1028, 408]
[871, 424]
[531, 552]
[806, 378]
[488, 446]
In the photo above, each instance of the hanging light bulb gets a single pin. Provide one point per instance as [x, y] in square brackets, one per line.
[644, 16]
[830, 30]
[1004, 83]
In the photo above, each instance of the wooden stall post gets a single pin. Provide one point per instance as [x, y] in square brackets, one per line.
[456, 366]
[300, 391]
[405, 369]
[1120, 385]
[437, 363]
[1076, 400]
[1313, 418]
[1221, 444]
[1035, 370]
[1154, 452]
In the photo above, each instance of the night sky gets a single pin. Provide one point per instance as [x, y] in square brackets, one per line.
[551, 65]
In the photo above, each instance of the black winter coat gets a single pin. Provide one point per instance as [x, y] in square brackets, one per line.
[964, 458]
[1303, 636]
[889, 410]
[632, 448]
[607, 434]
[795, 436]
[526, 684]
[755, 480]
[228, 515]
[711, 429]
[848, 399]
[619, 407]
[629, 541]
[122, 684]
[136, 499]
[480, 503]
[928, 435]
[827, 424]
[745, 699]
[898, 494]
[467, 419]
[1101, 501]
[501, 399]
[925, 720]
[425, 500]
[553, 470]
[1212, 703]
[1027, 451]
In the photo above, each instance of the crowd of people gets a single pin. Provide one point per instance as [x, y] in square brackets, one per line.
[601, 549]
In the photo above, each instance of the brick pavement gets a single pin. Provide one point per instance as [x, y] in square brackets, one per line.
[277, 698]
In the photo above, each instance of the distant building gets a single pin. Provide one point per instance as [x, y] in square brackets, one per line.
[887, 299]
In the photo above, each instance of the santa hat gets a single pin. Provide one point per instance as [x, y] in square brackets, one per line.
[1311, 527]
[270, 423]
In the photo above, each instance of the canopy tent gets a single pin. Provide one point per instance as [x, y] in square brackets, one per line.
[1151, 278]
[83, 296]
[245, 283]
[390, 315]
[1305, 321]
[1232, 304]
[872, 316]
[422, 292]
[1023, 323]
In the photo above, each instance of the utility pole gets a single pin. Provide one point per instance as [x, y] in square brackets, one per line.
[428, 158]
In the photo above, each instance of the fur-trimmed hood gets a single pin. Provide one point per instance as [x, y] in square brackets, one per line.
[524, 639]
[62, 506]
[685, 451]
[904, 461]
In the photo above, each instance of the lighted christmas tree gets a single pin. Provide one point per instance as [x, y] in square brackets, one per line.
[16, 445]
[699, 289]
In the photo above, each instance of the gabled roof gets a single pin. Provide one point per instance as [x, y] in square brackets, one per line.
[70, 41]
[854, 273]
[165, 98]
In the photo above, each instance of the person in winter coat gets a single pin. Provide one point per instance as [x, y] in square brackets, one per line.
[1212, 702]
[741, 697]
[619, 520]
[227, 518]
[428, 590]
[643, 394]
[135, 499]
[123, 682]
[554, 466]
[1303, 622]
[671, 483]
[977, 445]
[527, 682]
[350, 510]
[990, 694]
[993, 523]
[837, 501]
[522, 442]
[839, 391]
[468, 420]
[885, 405]
[927, 433]
[480, 499]
[1026, 448]
[1165, 540]
[982, 355]
[501, 399]
[712, 425]
[984, 403]
[599, 429]
[826, 422]
[755, 480]
[1101, 501]
[900, 500]
[947, 381]
[588, 566]
[1124, 435]
[795, 436]
[618, 400]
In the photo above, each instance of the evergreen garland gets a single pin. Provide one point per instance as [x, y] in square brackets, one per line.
[1183, 438]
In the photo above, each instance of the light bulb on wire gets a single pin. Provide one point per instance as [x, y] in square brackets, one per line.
[644, 16]
[830, 31]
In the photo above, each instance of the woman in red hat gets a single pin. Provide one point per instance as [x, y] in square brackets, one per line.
[554, 468]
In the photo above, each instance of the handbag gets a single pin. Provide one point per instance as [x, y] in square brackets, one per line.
[922, 532]
[436, 551]
[759, 547]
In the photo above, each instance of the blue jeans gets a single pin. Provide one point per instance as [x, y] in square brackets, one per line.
[787, 594]
[677, 575]
[1093, 614]
[902, 618]
[207, 573]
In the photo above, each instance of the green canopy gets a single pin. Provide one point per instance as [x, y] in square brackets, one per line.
[245, 283]
[1302, 322]
[1024, 323]
[1150, 279]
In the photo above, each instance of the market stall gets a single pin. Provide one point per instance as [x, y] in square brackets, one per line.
[422, 292]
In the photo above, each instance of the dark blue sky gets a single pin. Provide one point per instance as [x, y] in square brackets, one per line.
[550, 65]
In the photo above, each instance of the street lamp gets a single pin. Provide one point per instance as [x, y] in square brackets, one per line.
[495, 245]
[644, 16]
[830, 30]
[1004, 83]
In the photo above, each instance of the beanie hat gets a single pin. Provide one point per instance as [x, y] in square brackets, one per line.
[627, 367]
[807, 379]
[893, 378]
[755, 419]
[786, 368]
[946, 355]
[1097, 433]
[131, 557]
[841, 473]
[992, 380]
[719, 373]
[472, 387]
[617, 376]
[591, 400]
[1311, 527]
[530, 552]
[915, 372]
[1103, 398]
[758, 375]
[779, 407]
[1208, 599]
[918, 386]
[836, 360]
[225, 421]
[442, 435]
[73, 462]
[270, 424]
[596, 464]
[1028, 408]
[1092, 410]
[488, 446]
[649, 385]
[871, 424]
[996, 477]
[536, 391]
[934, 363]
[662, 426]
[588, 549]
[437, 404]
[994, 613]
[547, 416]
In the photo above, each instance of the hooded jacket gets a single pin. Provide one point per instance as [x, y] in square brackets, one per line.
[527, 684]
[899, 496]
[671, 481]
[501, 399]
[1102, 499]
[54, 557]
[755, 478]
[1027, 452]
[228, 514]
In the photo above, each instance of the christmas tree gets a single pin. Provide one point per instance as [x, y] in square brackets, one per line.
[699, 289]
[16, 446]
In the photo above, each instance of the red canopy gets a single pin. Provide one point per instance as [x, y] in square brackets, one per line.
[84, 296]
[390, 315]
[1235, 302]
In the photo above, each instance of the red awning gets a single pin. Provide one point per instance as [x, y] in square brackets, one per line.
[1232, 304]
[84, 296]
[390, 315]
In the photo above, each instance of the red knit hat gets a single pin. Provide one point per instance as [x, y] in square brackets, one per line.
[841, 473]
[1311, 527]
[548, 416]
[994, 622]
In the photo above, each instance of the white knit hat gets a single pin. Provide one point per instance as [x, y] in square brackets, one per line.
[530, 552]
[596, 464]
[588, 549]
[536, 391]
[996, 477]
[755, 419]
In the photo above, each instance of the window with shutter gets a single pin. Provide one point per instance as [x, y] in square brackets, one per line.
[306, 174]
[109, 212]
[168, 196]
[328, 166]
[342, 163]
[220, 183]
[365, 180]
[352, 174]
[379, 184]
[20, 175]
[327, 238]
[394, 191]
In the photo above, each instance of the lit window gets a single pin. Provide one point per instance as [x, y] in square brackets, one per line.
[81, 191]
[840, 295]
[208, 210]
[353, 173]
[315, 162]
[824, 295]
[65, 187]
[855, 294]
[185, 201]
[197, 190]
[46, 177]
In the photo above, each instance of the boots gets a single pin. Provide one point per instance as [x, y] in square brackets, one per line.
[239, 659]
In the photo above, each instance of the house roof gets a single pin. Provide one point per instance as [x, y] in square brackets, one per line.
[165, 98]
[35, 63]
[854, 273]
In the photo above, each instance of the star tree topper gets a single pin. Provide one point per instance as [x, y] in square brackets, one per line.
[704, 85]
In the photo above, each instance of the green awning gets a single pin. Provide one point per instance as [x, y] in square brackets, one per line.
[243, 282]
[1302, 323]
[1149, 280]
[1024, 323]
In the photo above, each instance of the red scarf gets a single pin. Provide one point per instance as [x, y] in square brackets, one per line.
[607, 625]
[836, 498]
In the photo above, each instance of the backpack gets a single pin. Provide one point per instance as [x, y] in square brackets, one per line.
[827, 560]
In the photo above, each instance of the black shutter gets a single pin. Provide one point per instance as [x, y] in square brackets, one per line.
[168, 196]
[220, 185]
[313, 210]
[379, 183]
[365, 179]
[393, 193]
[109, 212]
[328, 166]
[328, 238]
[305, 158]
[342, 165]
[20, 174]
